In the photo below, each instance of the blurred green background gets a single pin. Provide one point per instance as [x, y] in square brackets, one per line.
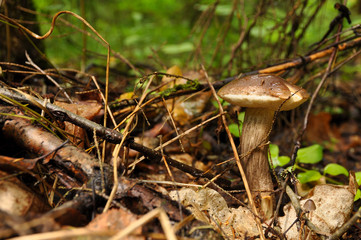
[189, 33]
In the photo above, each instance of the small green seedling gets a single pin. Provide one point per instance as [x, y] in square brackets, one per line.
[235, 128]
[308, 155]
[312, 155]
[223, 103]
[335, 169]
[358, 180]
[277, 161]
[309, 176]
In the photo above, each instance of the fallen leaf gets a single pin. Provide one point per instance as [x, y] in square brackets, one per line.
[84, 109]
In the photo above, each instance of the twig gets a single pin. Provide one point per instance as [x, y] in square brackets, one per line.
[85, 23]
[293, 63]
[65, 115]
[283, 189]
[331, 60]
[157, 156]
[127, 131]
[238, 161]
[173, 124]
[30, 62]
[109, 134]
[193, 171]
[246, 29]
[297, 206]
[346, 226]
[160, 214]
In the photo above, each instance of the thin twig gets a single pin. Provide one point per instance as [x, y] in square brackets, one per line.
[339, 232]
[313, 98]
[132, 165]
[108, 134]
[173, 124]
[116, 151]
[30, 62]
[297, 206]
[159, 213]
[290, 64]
[238, 161]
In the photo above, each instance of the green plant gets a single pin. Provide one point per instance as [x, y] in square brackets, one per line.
[311, 155]
[275, 158]
[223, 103]
[235, 128]
[358, 180]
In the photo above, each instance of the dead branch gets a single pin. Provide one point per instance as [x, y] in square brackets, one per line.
[346, 226]
[80, 164]
[296, 204]
[64, 115]
[293, 63]
[108, 134]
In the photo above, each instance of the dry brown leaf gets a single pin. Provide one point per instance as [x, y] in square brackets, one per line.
[115, 220]
[17, 199]
[171, 81]
[87, 110]
[333, 208]
[208, 206]
[319, 128]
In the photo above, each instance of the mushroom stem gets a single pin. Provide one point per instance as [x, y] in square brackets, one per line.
[256, 126]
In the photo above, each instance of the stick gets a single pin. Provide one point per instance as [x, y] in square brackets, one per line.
[108, 134]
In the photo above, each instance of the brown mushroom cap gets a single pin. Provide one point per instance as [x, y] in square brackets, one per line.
[309, 205]
[263, 91]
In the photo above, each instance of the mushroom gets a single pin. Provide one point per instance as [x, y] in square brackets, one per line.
[262, 95]
[309, 206]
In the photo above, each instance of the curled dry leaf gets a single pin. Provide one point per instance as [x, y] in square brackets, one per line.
[209, 206]
[333, 206]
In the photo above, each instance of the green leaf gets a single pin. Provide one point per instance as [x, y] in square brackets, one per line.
[215, 104]
[358, 178]
[274, 150]
[273, 155]
[335, 169]
[309, 176]
[277, 161]
[234, 129]
[284, 160]
[240, 120]
[241, 116]
[311, 155]
[178, 48]
[358, 195]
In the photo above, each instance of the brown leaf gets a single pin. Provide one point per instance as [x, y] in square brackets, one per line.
[17, 199]
[87, 110]
[114, 220]
[319, 129]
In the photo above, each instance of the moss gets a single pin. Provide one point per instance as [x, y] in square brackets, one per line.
[190, 85]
